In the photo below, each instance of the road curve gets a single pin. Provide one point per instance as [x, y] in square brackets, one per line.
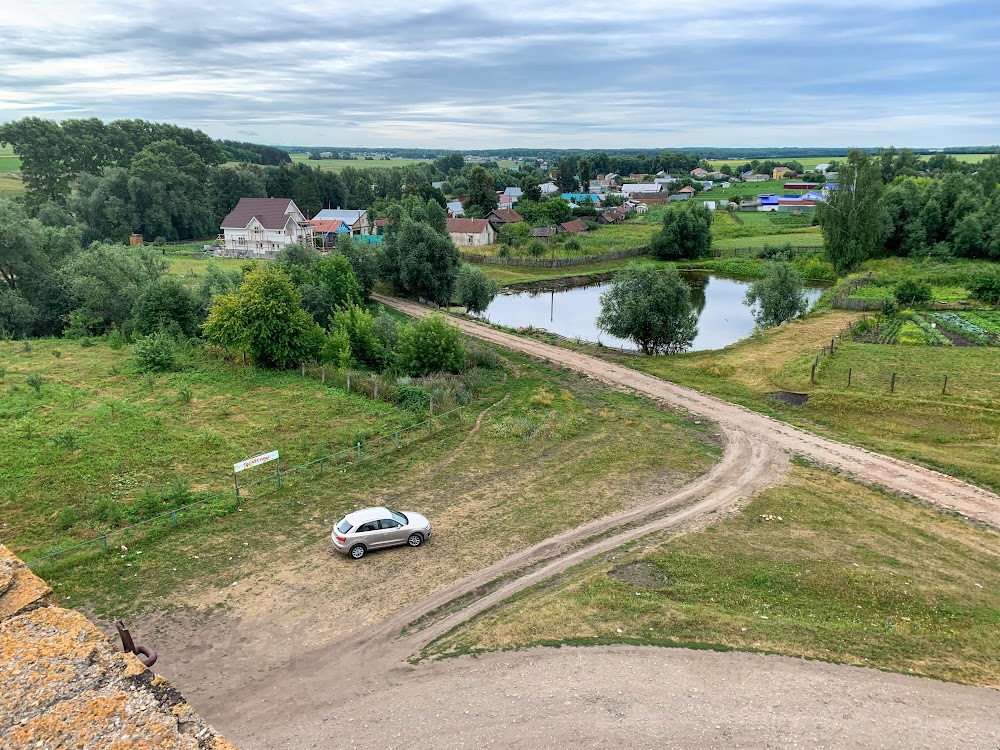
[360, 690]
[891, 473]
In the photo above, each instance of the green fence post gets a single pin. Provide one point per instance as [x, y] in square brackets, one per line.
[105, 540]
[173, 517]
[359, 451]
[396, 435]
[279, 474]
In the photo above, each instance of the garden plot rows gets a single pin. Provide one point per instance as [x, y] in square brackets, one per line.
[979, 328]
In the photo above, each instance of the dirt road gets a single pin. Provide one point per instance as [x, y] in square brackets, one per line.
[359, 689]
[890, 473]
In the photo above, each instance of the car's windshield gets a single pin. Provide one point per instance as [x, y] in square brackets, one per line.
[343, 526]
[399, 517]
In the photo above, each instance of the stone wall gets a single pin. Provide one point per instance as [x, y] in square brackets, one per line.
[63, 684]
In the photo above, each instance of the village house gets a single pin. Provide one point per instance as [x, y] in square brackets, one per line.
[261, 227]
[574, 227]
[779, 173]
[455, 209]
[642, 187]
[752, 177]
[548, 188]
[328, 231]
[500, 216]
[471, 232]
[582, 199]
[546, 233]
[698, 173]
[355, 219]
[613, 216]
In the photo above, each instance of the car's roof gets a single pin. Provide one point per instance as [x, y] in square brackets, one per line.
[367, 514]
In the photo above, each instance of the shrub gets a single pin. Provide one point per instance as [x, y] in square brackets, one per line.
[149, 503]
[536, 248]
[106, 511]
[67, 439]
[67, 517]
[430, 345]
[985, 287]
[911, 291]
[572, 244]
[184, 396]
[56, 353]
[474, 290]
[154, 353]
[487, 359]
[412, 396]
[34, 381]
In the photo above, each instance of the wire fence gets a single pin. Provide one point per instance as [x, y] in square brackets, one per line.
[265, 483]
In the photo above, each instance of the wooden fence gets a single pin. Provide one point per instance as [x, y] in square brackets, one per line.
[843, 300]
[740, 251]
[583, 260]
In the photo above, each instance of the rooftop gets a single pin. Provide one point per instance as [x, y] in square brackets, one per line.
[272, 213]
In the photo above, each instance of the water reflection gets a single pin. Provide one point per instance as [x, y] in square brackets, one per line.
[722, 317]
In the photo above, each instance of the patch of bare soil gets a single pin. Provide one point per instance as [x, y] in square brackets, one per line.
[642, 574]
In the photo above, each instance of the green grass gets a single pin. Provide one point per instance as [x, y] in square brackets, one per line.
[972, 158]
[554, 453]
[9, 164]
[806, 161]
[336, 165]
[848, 574]
[740, 189]
[876, 292]
[11, 185]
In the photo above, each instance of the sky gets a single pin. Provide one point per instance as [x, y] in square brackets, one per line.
[519, 73]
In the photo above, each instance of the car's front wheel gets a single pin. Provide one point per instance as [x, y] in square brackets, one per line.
[358, 551]
[415, 540]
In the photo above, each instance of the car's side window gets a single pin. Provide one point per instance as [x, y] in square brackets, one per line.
[368, 527]
[388, 523]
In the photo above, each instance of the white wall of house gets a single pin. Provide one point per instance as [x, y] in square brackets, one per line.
[467, 239]
[254, 241]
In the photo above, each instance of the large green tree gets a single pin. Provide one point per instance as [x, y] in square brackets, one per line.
[778, 296]
[264, 319]
[686, 233]
[650, 308]
[853, 218]
[46, 158]
[474, 290]
[482, 196]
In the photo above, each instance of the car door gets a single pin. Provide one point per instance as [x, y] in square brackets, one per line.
[393, 532]
[370, 535]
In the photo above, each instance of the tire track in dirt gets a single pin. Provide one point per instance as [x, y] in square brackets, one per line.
[890, 473]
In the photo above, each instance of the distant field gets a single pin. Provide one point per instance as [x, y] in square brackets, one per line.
[806, 161]
[336, 165]
[9, 164]
[742, 188]
[972, 158]
[10, 185]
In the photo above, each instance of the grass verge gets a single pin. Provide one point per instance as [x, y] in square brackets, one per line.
[821, 567]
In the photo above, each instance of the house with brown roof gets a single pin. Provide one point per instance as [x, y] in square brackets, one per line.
[614, 216]
[574, 227]
[261, 227]
[471, 232]
[500, 216]
[546, 233]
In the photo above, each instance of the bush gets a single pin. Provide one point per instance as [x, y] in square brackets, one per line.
[412, 396]
[106, 511]
[536, 248]
[486, 359]
[154, 353]
[474, 290]
[68, 439]
[34, 381]
[430, 345]
[572, 244]
[911, 291]
[67, 517]
[985, 287]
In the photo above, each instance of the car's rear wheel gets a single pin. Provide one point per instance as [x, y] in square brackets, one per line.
[415, 540]
[358, 551]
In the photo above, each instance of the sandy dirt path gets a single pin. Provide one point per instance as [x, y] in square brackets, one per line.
[884, 471]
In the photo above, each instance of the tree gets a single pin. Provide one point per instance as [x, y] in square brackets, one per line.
[264, 318]
[779, 294]
[45, 156]
[165, 302]
[649, 308]
[482, 197]
[474, 290]
[514, 234]
[357, 324]
[686, 233]
[530, 191]
[416, 259]
[985, 286]
[430, 345]
[566, 174]
[296, 259]
[168, 189]
[557, 210]
[853, 217]
[105, 281]
[335, 274]
[363, 259]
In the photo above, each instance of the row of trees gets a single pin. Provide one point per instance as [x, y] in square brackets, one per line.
[954, 214]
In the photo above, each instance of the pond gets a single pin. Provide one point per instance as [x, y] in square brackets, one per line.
[723, 319]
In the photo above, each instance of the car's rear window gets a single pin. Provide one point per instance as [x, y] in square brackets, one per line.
[343, 526]
[400, 518]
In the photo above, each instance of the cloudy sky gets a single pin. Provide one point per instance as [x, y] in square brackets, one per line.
[470, 74]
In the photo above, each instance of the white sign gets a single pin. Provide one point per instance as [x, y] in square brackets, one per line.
[255, 461]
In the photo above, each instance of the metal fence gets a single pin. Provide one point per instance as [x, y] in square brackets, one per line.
[370, 448]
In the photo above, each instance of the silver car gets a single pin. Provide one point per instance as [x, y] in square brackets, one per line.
[371, 528]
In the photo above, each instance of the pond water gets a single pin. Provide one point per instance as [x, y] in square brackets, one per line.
[722, 317]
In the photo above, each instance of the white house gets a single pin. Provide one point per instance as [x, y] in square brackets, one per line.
[471, 232]
[548, 188]
[356, 219]
[261, 227]
[821, 168]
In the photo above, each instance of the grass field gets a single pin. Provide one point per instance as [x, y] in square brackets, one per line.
[820, 567]
[958, 433]
[336, 165]
[9, 164]
[11, 185]
[557, 451]
[806, 161]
